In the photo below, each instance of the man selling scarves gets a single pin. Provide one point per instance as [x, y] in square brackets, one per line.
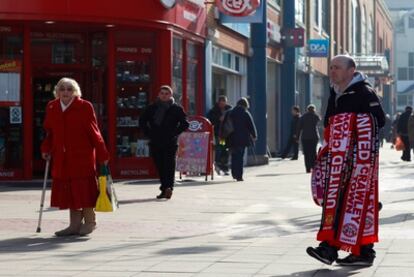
[345, 177]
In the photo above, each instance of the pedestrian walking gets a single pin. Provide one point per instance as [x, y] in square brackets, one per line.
[394, 129]
[163, 121]
[74, 144]
[410, 128]
[309, 135]
[402, 131]
[293, 141]
[243, 135]
[351, 96]
[216, 116]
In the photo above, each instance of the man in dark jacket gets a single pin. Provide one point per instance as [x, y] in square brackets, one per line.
[402, 131]
[350, 93]
[293, 139]
[162, 122]
[309, 136]
[244, 135]
[216, 116]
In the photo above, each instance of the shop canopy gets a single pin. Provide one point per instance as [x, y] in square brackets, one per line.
[373, 66]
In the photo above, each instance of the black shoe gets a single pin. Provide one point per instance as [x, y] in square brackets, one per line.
[326, 255]
[167, 193]
[379, 206]
[294, 158]
[352, 260]
[239, 179]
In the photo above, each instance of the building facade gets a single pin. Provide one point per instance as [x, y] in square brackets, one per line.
[402, 13]
[120, 55]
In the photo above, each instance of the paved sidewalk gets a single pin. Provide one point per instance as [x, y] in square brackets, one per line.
[260, 227]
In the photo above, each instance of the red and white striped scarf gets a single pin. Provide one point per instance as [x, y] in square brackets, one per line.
[345, 182]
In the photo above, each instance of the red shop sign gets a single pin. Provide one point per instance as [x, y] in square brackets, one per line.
[238, 7]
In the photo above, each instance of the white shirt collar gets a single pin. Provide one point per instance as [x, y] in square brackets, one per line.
[64, 107]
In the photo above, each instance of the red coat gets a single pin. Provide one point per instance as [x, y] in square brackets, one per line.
[73, 139]
[75, 144]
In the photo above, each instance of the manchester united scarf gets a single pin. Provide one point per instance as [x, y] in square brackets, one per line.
[345, 182]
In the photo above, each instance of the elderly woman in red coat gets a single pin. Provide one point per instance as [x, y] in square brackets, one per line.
[74, 144]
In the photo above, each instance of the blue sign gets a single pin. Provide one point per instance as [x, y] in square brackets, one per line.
[318, 47]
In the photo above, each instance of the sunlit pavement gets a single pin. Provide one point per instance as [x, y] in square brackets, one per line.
[259, 227]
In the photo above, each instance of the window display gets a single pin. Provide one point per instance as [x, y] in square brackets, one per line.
[133, 92]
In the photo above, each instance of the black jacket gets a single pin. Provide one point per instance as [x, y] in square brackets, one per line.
[214, 116]
[308, 123]
[294, 126]
[244, 128]
[402, 124]
[359, 97]
[166, 134]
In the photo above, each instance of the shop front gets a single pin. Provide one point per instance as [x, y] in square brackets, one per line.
[119, 57]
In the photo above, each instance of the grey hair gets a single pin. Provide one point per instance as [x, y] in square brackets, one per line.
[68, 81]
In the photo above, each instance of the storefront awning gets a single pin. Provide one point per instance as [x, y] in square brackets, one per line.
[372, 65]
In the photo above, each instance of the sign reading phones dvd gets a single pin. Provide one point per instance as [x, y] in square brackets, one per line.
[238, 7]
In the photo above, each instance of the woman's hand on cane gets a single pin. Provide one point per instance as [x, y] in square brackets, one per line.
[46, 156]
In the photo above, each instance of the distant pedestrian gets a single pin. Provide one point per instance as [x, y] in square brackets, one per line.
[394, 129]
[309, 135]
[74, 144]
[411, 131]
[388, 128]
[293, 141]
[163, 121]
[244, 135]
[402, 131]
[216, 116]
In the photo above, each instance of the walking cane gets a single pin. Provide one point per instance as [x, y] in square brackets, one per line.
[42, 200]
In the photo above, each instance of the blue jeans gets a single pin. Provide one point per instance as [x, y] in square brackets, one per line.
[237, 154]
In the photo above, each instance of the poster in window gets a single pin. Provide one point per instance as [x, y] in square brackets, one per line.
[10, 81]
[16, 115]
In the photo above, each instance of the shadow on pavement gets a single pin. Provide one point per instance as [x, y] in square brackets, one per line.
[342, 271]
[279, 174]
[136, 201]
[189, 250]
[396, 218]
[25, 244]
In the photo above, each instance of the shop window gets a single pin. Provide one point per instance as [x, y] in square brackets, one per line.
[58, 48]
[178, 69]
[134, 82]
[11, 114]
[411, 22]
[192, 75]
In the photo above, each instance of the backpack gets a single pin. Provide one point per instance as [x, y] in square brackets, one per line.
[227, 127]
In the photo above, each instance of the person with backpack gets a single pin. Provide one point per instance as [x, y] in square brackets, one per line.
[239, 130]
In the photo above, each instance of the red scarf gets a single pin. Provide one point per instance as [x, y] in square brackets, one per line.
[345, 182]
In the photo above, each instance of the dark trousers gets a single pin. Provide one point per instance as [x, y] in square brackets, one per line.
[406, 155]
[309, 151]
[221, 158]
[164, 159]
[291, 143]
[237, 154]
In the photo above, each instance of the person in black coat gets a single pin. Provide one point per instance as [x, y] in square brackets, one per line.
[216, 116]
[163, 121]
[402, 131]
[309, 135]
[244, 135]
[350, 93]
[293, 139]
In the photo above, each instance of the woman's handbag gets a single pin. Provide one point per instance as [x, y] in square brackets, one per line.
[107, 200]
[399, 144]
